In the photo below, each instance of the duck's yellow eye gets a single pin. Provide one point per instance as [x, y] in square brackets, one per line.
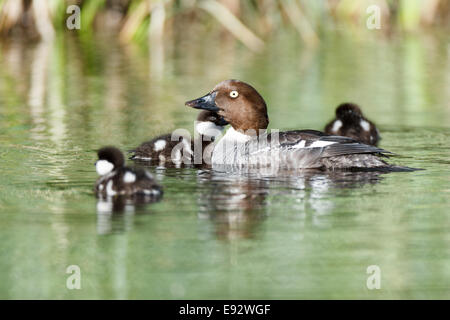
[234, 94]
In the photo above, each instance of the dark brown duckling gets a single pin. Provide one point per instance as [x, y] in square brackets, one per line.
[179, 148]
[351, 123]
[117, 179]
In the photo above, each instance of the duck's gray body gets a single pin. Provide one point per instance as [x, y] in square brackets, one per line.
[300, 149]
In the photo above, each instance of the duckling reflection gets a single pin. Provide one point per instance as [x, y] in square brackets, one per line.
[235, 203]
[116, 214]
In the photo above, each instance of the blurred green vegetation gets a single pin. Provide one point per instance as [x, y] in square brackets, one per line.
[250, 21]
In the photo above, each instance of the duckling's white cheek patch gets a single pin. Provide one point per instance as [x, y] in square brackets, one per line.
[336, 126]
[129, 177]
[365, 125]
[159, 145]
[103, 167]
[208, 128]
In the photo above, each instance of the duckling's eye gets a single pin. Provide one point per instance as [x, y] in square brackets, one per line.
[234, 94]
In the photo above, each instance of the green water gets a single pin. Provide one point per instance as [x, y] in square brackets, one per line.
[217, 235]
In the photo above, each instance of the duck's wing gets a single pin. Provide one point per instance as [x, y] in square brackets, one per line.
[294, 149]
[312, 142]
[340, 149]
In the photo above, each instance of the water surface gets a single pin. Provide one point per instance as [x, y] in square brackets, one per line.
[215, 234]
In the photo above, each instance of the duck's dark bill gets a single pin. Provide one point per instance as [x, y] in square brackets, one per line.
[206, 102]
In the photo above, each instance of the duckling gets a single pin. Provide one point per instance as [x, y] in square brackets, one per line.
[169, 148]
[117, 179]
[351, 123]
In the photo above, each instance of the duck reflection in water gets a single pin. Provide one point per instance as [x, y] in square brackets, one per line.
[236, 203]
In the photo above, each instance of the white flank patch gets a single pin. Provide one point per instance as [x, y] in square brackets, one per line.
[109, 189]
[365, 125]
[142, 158]
[129, 177]
[103, 167]
[151, 191]
[208, 128]
[159, 145]
[320, 144]
[299, 145]
[317, 144]
[336, 126]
